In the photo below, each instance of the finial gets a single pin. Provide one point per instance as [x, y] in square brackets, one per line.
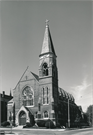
[46, 23]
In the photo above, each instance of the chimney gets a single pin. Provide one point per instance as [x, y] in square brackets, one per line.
[3, 94]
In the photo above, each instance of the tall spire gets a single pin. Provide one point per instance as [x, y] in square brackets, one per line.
[47, 42]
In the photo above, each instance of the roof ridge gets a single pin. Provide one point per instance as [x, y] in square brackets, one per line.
[21, 77]
[35, 75]
[29, 109]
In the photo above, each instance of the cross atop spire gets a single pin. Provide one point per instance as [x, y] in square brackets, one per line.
[46, 22]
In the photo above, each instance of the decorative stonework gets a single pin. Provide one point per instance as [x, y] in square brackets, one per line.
[27, 115]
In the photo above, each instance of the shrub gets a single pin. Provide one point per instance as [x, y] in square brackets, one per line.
[27, 125]
[5, 123]
[63, 127]
[41, 123]
[58, 125]
[13, 124]
[32, 121]
[49, 124]
[24, 126]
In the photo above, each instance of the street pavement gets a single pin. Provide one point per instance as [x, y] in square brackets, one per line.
[16, 131]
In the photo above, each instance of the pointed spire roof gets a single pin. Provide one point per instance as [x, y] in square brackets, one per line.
[47, 42]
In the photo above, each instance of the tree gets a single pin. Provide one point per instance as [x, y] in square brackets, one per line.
[89, 113]
[77, 120]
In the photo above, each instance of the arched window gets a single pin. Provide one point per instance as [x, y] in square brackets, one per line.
[45, 95]
[45, 114]
[27, 96]
[45, 69]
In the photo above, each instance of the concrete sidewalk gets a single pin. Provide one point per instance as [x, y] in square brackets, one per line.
[40, 129]
[18, 127]
[21, 128]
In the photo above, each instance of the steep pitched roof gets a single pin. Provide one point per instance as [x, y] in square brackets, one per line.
[11, 101]
[47, 42]
[5, 97]
[36, 76]
[21, 78]
[29, 109]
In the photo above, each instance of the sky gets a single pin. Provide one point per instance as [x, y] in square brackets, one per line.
[22, 27]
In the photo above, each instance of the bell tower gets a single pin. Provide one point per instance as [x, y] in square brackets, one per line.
[48, 74]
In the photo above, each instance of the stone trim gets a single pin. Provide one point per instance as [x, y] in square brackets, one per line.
[27, 115]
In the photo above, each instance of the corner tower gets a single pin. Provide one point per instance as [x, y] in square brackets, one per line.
[48, 76]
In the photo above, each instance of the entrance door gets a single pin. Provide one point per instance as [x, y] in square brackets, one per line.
[22, 118]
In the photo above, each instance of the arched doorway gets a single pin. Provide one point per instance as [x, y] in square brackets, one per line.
[22, 118]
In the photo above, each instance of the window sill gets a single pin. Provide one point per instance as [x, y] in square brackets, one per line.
[46, 118]
[45, 104]
[30, 106]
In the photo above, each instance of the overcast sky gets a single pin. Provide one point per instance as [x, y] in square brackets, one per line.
[22, 32]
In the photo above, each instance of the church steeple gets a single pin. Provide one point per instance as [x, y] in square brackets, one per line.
[47, 46]
[47, 56]
[48, 74]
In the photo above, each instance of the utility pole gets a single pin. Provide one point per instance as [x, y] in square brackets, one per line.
[10, 118]
[68, 115]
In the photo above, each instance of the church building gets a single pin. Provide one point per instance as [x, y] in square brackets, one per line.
[39, 96]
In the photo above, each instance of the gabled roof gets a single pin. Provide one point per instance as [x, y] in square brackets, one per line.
[21, 78]
[33, 74]
[47, 46]
[29, 109]
[36, 76]
[11, 101]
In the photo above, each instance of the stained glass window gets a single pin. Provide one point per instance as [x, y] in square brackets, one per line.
[27, 96]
